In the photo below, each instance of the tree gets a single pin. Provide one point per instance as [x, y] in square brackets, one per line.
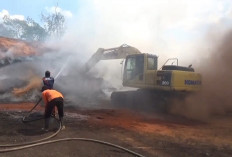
[23, 29]
[54, 24]
[15, 26]
[33, 31]
[4, 31]
[30, 30]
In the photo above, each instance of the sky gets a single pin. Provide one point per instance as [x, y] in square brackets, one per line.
[174, 28]
[34, 8]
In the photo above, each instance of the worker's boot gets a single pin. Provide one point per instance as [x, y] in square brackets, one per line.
[46, 124]
[62, 123]
[53, 113]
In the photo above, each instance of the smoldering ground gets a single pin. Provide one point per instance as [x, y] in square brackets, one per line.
[215, 96]
[22, 81]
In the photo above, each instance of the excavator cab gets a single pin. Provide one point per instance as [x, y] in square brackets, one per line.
[136, 67]
[141, 71]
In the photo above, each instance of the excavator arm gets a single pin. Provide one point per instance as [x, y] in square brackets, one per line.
[111, 53]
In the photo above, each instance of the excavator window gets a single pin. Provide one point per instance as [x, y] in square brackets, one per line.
[134, 66]
[130, 66]
[152, 63]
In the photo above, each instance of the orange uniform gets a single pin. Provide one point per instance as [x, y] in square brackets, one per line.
[50, 94]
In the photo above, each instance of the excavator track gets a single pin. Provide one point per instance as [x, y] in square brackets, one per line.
[146, 100]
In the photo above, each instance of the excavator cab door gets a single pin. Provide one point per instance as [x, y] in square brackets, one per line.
[134, 70]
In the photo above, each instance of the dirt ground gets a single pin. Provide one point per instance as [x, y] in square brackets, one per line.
[151, 135]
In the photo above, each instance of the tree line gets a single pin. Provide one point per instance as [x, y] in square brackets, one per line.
[29, 30]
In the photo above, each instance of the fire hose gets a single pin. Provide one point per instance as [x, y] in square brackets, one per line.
[24, 118]
[20, 146]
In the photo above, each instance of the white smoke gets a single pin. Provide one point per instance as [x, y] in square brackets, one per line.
[168, 29]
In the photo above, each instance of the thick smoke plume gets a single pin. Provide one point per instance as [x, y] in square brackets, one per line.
[215, 97]
[22, 81]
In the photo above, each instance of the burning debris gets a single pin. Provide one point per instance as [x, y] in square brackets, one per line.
[19, 76]
[27, 63]
[14, 50]
[34, 83]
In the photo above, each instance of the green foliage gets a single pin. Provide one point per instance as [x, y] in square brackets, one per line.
[13, 26]
[33, 31]
[4, 31]
[22, 29]
[54, 26]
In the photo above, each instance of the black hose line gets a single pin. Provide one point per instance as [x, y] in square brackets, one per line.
[20, 146]
[71, 139]
[32, 142]
[26, 121]
[24, 118]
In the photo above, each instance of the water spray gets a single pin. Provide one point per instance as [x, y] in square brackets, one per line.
[62, 68]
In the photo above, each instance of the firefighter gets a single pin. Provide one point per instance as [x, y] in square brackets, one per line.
[48, 80]
[51, 99]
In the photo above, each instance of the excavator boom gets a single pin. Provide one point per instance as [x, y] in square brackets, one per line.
[111, 53]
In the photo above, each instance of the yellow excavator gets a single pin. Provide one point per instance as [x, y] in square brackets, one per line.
[141, 71]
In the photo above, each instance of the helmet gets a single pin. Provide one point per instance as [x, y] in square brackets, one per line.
[47, 74]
